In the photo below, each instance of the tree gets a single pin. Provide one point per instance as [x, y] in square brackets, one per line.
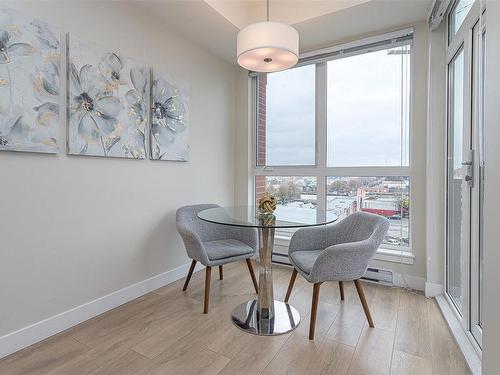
[403, 205]
[343, 187]
[286, 192]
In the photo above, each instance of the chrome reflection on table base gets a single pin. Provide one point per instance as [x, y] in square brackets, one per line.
[265, 315]
[250, 318]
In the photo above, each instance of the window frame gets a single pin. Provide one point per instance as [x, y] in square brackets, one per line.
[321, 170]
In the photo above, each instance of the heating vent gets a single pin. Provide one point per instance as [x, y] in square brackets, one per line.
[375, 275]
[378, 276]
[281, 258]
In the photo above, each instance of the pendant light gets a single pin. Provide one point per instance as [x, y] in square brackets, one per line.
[268, 46]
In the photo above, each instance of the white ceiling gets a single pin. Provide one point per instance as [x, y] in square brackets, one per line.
[244, 12]
[203, 24]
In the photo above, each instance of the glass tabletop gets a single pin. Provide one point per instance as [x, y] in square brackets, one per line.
[247, 216]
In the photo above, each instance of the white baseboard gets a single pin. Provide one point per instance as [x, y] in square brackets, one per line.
[469, 350]
[433, 290]
[408, 281]
[17, 340]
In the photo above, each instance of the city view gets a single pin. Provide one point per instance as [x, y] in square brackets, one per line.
[386, 196]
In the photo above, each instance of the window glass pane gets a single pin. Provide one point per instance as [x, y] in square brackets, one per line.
[297, 196]
[386, 196]
[286, 133]
[457, 16]
[368, 109]
[455, 180]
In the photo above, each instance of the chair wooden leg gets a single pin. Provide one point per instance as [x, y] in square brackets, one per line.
[190, 273]
[314, 310]
[361, 293]
[220, 273]
[208, 275]
[290, 285]
[252, 274]
[341, 287]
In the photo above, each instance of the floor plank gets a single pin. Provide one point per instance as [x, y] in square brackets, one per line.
[43, 357]
[412, 331]
[192, 362]
[384, 307]
[295, 355]
[407, 364]
[331, 358]
[447, 359]
[128, 363]
[348, 325]
[373, 352]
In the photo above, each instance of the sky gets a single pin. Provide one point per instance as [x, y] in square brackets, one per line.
[363, 112]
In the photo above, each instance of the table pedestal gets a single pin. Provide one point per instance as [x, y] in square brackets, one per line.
[265, 315]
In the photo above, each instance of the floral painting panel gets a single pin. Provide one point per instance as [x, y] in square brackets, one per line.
[108, 96]
[29, 83]
[169, 119]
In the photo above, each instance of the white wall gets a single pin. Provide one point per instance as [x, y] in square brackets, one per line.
[418, 152]
[491, 302]
[436, 158]
[76, 228]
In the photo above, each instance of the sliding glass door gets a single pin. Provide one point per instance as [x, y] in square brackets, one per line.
[457, 187]
[477, 197]
[465, 165]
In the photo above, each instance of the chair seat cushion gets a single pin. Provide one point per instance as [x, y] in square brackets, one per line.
[305, 259]
[220, 249]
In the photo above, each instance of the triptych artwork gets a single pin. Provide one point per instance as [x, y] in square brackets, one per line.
[30, 55]
[169, 119]
[116, 107]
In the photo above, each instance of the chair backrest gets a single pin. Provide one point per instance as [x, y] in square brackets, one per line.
[360, 226]
[187, 217]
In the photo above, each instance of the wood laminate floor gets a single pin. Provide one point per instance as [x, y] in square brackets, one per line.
[165, 332]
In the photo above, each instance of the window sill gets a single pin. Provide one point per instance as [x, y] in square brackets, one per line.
[281, 243]
[395, 256]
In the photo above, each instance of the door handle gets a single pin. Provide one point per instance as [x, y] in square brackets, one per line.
[468, 163]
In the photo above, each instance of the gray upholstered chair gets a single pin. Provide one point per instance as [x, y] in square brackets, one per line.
[337, 252]
[214, 244]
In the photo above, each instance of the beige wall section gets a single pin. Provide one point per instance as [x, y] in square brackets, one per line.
[244, 133]
[491, 302]
[418, 150]
[76, 228]
[436, 156]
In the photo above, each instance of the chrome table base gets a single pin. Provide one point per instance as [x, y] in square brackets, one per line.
[265, 315]
[249, 318]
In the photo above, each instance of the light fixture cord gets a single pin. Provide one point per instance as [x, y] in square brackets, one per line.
[267, 10]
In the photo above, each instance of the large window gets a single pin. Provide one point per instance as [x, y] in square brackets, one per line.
[364, 109]
[334, 132]
[297, 196]
[287, 106]
[386, 196]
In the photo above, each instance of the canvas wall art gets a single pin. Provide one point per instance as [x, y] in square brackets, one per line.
[108, 96]
[169, 119]
[29, 83]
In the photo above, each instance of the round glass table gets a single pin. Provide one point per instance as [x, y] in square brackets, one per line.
[265, 315]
